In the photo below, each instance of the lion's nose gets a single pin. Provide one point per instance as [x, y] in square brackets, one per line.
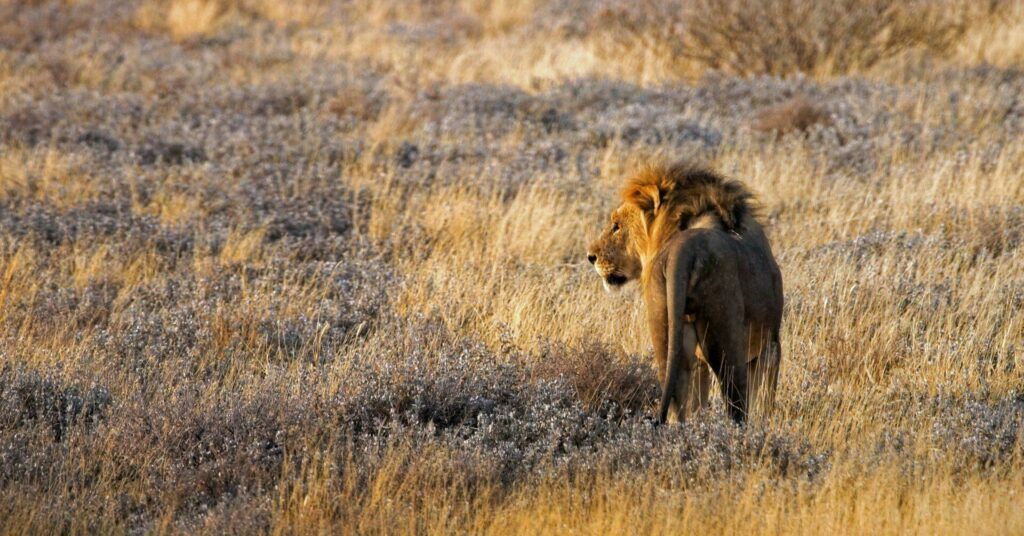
[592, 258]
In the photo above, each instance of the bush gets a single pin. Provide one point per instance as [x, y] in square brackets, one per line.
[781, 37]
[798, 114]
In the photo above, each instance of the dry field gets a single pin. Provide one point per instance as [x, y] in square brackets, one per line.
[318, 266]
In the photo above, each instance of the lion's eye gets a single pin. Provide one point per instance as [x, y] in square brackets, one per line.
[615, 227]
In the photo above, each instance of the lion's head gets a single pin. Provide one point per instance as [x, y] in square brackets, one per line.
[616, 253]
[658, 201]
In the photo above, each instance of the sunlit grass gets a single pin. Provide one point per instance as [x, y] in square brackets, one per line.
[319, 267]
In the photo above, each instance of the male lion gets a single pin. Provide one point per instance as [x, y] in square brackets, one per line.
[710, 283]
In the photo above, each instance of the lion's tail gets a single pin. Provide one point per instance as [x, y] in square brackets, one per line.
[676, 288]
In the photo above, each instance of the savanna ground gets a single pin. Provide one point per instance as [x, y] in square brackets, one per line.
[319, 266]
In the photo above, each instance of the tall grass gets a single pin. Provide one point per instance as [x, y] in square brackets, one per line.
[319, 267]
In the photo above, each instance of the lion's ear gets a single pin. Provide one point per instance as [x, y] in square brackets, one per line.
[646, 197]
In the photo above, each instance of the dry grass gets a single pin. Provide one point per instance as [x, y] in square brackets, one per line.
[782, 37]
[317, 268]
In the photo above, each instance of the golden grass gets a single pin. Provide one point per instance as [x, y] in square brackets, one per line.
[680, 43]
[996, 40]
[46, 175]
[900, 288]
[509, 266]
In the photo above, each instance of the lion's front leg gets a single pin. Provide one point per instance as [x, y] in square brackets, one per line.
[678, 408]
[694, 382]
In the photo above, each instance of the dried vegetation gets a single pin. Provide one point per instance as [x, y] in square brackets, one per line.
[317, 267]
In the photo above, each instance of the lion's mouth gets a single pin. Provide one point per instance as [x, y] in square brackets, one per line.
[616, 280]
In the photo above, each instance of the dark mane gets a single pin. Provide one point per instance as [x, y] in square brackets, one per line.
[689, 191]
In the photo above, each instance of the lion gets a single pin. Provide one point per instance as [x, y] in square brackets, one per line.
[711, 286]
